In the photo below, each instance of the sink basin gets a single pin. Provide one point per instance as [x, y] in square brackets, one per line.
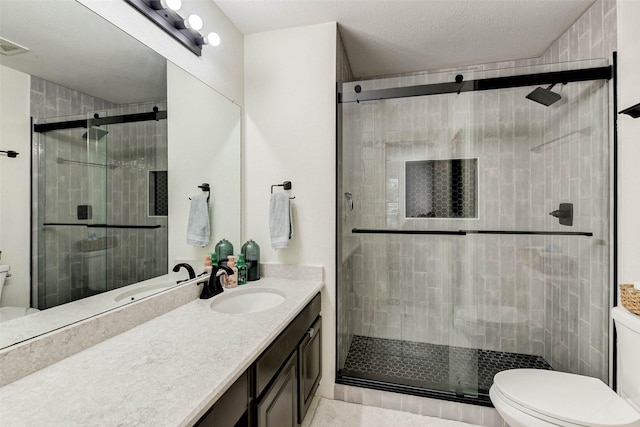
[245, 301]
[143, 291]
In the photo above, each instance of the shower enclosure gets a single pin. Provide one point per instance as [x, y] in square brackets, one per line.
[473, 228]
[99, 201]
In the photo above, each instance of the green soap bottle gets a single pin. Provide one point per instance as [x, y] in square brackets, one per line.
[241, 265]
[224, 248]
[251, 252]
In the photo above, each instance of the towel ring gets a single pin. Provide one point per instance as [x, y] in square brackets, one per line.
[286, 185]
[205, 188]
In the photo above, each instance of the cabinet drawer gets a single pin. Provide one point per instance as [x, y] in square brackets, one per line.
[309, 367]
[275, 356]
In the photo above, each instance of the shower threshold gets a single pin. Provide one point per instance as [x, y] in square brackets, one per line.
[453, 373]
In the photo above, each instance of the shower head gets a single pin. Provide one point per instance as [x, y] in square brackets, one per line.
[544, 96]
[94, 133]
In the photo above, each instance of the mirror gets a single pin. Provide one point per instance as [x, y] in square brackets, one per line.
[90, 62]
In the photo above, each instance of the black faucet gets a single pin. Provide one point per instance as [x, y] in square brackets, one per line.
[214, 286]
[192, 273]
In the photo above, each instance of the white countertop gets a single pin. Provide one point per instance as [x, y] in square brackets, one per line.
[165, 372]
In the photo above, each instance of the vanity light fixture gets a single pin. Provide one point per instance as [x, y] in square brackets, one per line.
[212, 39]
[193, 22]
[164, 14]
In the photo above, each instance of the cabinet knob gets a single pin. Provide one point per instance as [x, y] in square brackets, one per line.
[310, 332]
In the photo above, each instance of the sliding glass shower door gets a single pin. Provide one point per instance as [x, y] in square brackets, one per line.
[473, 231]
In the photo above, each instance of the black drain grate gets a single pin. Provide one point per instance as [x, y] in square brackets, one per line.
[432, 366]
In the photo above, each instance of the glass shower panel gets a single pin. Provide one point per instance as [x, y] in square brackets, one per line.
[72, 181]
[473, 233]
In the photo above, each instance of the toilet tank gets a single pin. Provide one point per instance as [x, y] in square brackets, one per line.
[628, 350]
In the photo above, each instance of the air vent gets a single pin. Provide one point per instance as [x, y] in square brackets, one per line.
[8, 48]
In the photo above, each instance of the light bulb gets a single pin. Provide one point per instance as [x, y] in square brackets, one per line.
[174, 5]
[212, 39]
[193, 22]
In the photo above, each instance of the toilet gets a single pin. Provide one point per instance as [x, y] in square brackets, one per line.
[537, 398]
[9, 313]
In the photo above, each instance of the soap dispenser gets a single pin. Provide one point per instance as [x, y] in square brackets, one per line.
[251, 252]
[224, 248]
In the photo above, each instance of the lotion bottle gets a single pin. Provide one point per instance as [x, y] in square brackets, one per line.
[232, 280]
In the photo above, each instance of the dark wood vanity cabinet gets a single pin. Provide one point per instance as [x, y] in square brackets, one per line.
[310, 366]
[277, 389]
[278, 407]
[296, 351]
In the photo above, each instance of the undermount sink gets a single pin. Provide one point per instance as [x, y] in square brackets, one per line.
[245, 301]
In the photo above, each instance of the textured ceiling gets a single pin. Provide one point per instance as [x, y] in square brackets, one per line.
[398, 36]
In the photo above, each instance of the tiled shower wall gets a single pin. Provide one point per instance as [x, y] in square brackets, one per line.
[531, 294]
[118, 195]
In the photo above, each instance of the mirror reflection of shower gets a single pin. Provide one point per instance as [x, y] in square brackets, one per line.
[96, 228]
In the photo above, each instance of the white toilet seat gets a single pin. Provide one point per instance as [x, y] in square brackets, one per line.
[10, 313]
[545, 398]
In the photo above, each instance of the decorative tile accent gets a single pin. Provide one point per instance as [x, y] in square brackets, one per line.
[441, 188]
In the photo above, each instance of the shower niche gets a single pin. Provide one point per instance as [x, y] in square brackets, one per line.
[441, 188]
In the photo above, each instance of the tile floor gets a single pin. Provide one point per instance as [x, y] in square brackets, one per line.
[335, 413]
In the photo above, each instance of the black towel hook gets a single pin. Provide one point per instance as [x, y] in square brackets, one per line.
[286, 185]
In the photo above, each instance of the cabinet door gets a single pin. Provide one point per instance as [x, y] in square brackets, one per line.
[279, 405]
[232, 407]
[310, 363]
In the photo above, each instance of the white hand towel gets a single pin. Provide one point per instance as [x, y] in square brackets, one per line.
[280, 223]
[198, 228]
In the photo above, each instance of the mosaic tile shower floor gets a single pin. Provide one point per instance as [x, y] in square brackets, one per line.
[432, 366]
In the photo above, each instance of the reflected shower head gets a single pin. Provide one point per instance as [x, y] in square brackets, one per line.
[94, 133]
[544, 96]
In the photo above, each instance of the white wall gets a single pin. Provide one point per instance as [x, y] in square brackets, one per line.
[207, 149]
[290, 80]
[220, 67]
[14, 184]
[628, 142]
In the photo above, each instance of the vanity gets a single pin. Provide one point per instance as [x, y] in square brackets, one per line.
[193, 365]
[278, 387]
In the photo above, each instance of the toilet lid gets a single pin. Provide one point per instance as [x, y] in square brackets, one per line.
[571, 398]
